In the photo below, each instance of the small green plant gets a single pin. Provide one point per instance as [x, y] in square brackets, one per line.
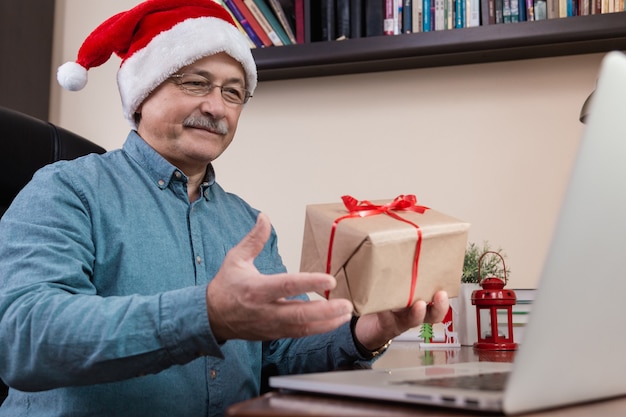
[491, 264]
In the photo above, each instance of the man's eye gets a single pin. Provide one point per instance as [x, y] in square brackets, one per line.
[233, 92]
[196, 84]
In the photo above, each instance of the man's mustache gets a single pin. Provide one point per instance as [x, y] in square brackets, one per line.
[206, 122]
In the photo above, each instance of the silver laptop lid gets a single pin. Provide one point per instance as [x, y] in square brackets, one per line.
[574, 343]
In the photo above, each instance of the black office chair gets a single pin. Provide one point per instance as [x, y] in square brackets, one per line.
[27, 144]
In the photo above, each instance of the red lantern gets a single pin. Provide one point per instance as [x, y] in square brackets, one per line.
[494, 312]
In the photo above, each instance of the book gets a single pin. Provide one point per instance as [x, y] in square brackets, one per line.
[407, 16]
[521, 5]
[450, 13]
[530, 10]
[281, 14]
[514, 11]
[302, 17]
[427, 15]
[541, 12]
[417, 16]
[439, 15]
[243, 10]
[265, 25]
[247, 25]
[356, 19]
[553, 9]
[273, 21]
[473, 13]
[459, 16]
[498, 10]
[328, 19]
[488, 12]
[399, 4]
[506, 11]
[374, 12]
[389, 26]
[241, 29]
[342, 19]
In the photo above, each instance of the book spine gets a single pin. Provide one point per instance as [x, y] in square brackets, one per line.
[417, 16]
[521, 4]
[244, 23]
[488, 12]
[267, 28]
[397, 17]
[506, 11]
[541, 10]
[514, 11]
[273, 22]
[498, 9]
[243, 9]
[342, 19]
[283, 19]
[473, 13]
[327, 19]
[407, 16]
[301, 28]
[426, 15]
[374, 14]
[439, 15]
[356, 19]
[530, 11]
[553, 9]
[388, 23]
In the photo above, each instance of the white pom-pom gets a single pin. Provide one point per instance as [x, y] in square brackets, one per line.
[72, 76]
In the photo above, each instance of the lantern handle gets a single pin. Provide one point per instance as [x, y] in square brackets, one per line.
[501, 258]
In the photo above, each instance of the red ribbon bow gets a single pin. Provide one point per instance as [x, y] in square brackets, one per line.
[366, 208]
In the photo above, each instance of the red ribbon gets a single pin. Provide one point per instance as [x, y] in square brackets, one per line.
[366, 208]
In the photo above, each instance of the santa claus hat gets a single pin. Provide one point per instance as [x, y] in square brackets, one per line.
[155, 39]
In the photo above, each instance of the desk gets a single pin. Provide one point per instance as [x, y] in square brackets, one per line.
[400, 354]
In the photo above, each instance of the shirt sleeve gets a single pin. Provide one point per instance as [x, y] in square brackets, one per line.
[55, 329]
[330, 351]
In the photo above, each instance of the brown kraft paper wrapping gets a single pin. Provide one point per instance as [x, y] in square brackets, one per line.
[372, 256]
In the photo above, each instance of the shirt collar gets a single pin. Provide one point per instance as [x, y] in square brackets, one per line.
[158, 168]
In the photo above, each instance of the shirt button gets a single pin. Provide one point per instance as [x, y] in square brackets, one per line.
[177, 174]
[213, 374]
[199, 260]
[161, 183]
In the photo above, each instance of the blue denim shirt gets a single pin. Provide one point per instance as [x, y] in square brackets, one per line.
[104, 265]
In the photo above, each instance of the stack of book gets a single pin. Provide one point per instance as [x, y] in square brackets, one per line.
[265, 22]
[521, 313]
[286, 22]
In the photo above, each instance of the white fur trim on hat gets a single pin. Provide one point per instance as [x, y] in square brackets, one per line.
[182, 45]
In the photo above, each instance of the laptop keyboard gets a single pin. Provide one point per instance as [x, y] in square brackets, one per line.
[495, 381]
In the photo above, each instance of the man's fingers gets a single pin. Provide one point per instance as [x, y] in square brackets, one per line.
[296, 318]
[274, 287]
[301, 312]
[438, 308]
[252, 244]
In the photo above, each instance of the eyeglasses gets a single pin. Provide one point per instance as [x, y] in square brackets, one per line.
[197, 85]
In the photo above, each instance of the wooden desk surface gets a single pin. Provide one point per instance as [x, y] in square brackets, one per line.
[400, 354]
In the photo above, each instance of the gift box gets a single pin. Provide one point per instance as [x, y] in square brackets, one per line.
[384, 254]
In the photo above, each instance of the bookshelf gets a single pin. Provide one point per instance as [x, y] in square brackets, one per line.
[490, 43]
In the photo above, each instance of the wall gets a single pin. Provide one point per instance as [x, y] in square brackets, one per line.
[491, 144]
[26, 46]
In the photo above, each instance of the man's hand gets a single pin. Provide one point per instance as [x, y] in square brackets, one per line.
[374, 330]
[242, 303]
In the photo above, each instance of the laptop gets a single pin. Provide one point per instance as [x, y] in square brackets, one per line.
[573, 349]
